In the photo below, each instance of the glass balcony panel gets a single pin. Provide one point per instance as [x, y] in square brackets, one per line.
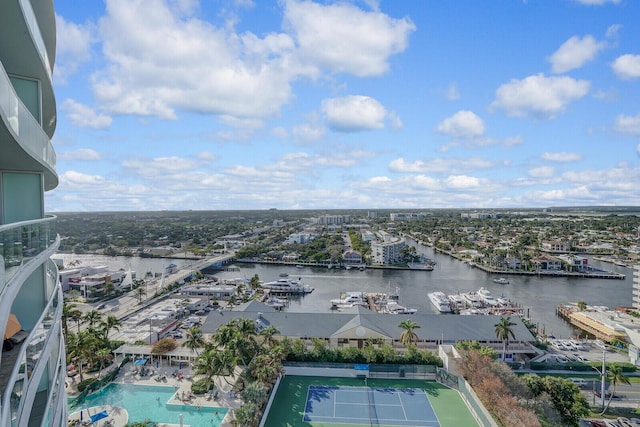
[16, 397]
[29, 132]
[22, 241]
[36, 36]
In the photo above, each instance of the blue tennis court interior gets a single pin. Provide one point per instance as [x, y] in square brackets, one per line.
[369, 405]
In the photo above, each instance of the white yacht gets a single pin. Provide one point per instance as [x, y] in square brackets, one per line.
[458, 302]
[473, 299]
[392, 307]
[440, 301]
[288, 286]
[348, 299]
[501, 281]
[487, 298]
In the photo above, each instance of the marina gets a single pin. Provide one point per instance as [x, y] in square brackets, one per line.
[538, 295]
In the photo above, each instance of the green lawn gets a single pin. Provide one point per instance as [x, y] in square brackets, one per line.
[289, 403]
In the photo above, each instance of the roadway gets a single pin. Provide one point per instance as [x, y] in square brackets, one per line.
[129, 303]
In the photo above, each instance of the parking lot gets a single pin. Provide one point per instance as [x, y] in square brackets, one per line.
[568, 350]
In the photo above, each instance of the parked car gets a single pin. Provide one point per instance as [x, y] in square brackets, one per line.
[200, 313]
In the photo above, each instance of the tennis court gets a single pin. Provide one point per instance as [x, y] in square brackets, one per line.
[369, 405]
[350, 402]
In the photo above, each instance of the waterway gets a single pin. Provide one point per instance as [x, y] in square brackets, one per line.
[540, 295]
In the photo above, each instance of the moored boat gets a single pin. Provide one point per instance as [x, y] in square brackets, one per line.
[288, 286]
[487, 298]
[440, 301]
[348, 299]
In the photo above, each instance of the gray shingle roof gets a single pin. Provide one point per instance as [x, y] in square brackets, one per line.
[362, 323]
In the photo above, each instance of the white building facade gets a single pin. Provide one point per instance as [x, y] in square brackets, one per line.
[32, 364]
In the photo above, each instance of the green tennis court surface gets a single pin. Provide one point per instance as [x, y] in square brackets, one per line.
[350, 402]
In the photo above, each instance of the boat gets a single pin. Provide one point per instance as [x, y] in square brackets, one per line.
[392, 307]
[487, 298]
[275, 302]
[473, 312]
[426, 266]
[440, 301]
[472, 299]
[288, 286]
[458, 302]
[503, 301]
[299, 266]
[348, 300]
[501, 281]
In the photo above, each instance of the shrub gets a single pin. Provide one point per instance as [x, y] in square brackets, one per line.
[164, 345]
[82, 385]
[200, 386]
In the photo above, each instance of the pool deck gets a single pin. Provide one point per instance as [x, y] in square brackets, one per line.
[128, 375]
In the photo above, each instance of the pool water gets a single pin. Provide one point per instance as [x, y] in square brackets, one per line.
[150, 402]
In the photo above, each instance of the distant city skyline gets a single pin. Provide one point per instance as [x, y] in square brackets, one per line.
[239, 104]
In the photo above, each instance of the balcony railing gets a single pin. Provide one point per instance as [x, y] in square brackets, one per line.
[28, 131]
[21, 241]
[38, 344]
[36, 36]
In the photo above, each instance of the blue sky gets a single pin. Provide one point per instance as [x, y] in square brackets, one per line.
[291, 104]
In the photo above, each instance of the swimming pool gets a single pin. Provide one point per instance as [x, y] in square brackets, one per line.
[149, 402]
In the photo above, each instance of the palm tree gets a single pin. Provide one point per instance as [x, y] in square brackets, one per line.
[81, 348]
[408, 337]
[254, 283]
[93, 317]
[69, 311]
[616, 376]
[103, 354]
[268, 335]
[194, 339]
[214, 362]
[503, 331]
[141, 292]
[109, 288]
[111, 322]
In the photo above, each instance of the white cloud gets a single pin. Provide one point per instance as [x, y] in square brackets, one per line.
[627, 67]
[441, 165]
[73, 48]
[345, 39]
[192, 65]
[613, 30]
[83, 116]
[353, 113]
[188, 64]
[574, 53]
[542, 172]
[539, 96]
[561, 157]
[597, 2]
[462, 182]
[279, 132]
[85, 154]
[307, 133]
[463, 124]
[452, 93]
[628, 124]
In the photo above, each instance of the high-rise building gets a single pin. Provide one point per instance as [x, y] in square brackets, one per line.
[32, 363]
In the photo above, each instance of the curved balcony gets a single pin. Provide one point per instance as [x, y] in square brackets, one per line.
[36, 36]
[24, 52]
[22, 241]
[42, 344]
[32, 149]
